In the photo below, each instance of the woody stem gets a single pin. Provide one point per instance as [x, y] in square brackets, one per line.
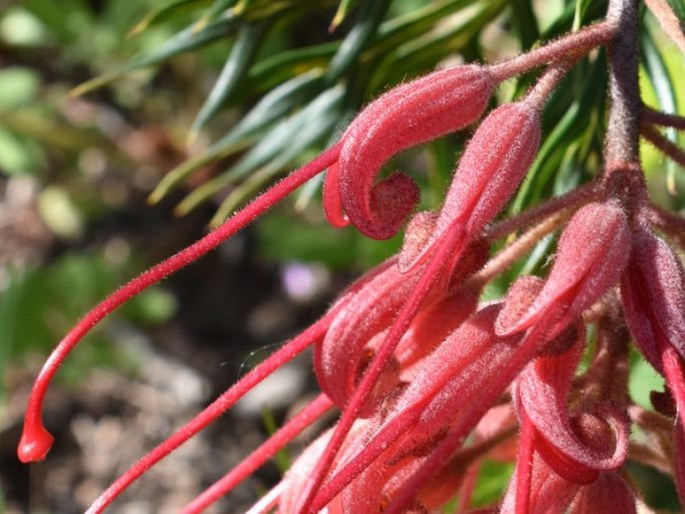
[624, 93]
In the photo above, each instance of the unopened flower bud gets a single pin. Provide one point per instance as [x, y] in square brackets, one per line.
[653, 296]
[489, 172]
[413, 113]
[609, 493]
[592, 254]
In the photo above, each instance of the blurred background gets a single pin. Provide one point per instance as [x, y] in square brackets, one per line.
[128, 128]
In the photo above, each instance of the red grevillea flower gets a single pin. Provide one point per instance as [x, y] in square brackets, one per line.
[429, 379]
[503, 175]
[586, 278]
[357, 331]
[653, 294]
[36, 440]
[578, 444]
[593, 251]
[413, 113]
[436, 397]
[493, 165]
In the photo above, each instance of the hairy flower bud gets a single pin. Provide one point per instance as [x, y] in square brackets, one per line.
[592, 254]
[548, 492]
[297, 476]
[413, 113]
[340, 359]
[609, 493]
[491, 168]
[575, 445]
[653, 295]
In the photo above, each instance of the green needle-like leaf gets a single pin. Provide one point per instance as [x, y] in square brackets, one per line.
[277, 148]
[184, 41]
[525, 22]
[359, 37]
[242, 53]
[218, 7]
[269, 109]
[343, 10]
[665, 90]
[162, 12]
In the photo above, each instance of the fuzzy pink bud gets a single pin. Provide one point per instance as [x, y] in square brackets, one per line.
[576, 445]
[489, 172]
[653, 295]
[413, 113]
[609, 493]
[339, 361]
[297, 476]
[592, 254]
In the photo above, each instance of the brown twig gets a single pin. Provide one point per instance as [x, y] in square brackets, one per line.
[668, 148]
[669, 223]
[568, 48]
[571, 200]
[650, 115]
[622, 141]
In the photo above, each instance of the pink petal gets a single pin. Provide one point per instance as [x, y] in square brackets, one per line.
[549, 493]
[340, 359]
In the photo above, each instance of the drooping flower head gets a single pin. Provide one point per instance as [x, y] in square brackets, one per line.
[429, 379]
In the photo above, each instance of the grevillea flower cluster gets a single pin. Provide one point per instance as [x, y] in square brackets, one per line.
[429, 380]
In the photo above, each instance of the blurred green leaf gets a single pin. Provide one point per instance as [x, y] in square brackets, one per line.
[658, 74]
[184, 41]
[163, 11]
[493, 478]
[272, 72]
[665, 91]
[276, 149]
[269, 109]
[18, 85]
[313, 125]
[214, 11]
[59, 212]
[38, 306]
[344, 8]
[426, 51]
[342, 249]
[678, 7]
[60, 16]
[243, 50]
[643, 380]
[15, 156]
[525, 22]
[580, 12]
[151, 307]
[282, 457]
[22, 28]
[364, 30]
